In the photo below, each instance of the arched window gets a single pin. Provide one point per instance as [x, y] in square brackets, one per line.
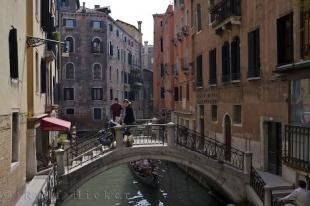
[96, 45]
[69, 47]
[97, 72]
[69, 71]
[226, 62]
[235, 59]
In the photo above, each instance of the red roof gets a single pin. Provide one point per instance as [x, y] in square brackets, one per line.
[55, 124]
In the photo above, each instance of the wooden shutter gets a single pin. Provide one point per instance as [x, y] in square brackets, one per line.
[199, 71]
[43, 76]
[250, 52]
[13, 53]
[257, 50]
[74, 22]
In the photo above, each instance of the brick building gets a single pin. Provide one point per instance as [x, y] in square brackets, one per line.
[163, 72]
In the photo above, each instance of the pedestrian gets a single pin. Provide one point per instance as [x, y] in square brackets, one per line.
[116, 110]
[299, 197]
[129, 117]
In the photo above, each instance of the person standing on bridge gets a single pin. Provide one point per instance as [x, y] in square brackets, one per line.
[116, 110]
[299, 197]
[129, 117]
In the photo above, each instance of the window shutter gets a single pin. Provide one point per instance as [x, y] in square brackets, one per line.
[43, 76]
[13, 53]
[91, 23]
[250, 51]
[92, 93]
[64, 22]
[74, 22]
[101, 24]
[257, 50]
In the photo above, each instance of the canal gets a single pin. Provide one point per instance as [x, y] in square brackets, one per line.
[119, 187]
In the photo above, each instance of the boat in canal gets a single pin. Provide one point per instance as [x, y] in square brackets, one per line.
[145, 173]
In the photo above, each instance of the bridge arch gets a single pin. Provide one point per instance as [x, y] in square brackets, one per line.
[228, 180]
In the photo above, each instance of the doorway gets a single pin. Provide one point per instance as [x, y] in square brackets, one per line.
[274, 147]
[227, 132]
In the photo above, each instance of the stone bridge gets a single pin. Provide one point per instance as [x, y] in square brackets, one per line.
[226, 169]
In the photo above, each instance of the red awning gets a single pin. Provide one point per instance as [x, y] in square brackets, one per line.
[55, 124]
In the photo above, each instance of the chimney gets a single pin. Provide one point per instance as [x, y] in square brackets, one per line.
[146, 43]
[97, 6]
[139, 26]
[84, 8]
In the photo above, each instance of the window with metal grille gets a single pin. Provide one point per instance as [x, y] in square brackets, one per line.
[68, 94]
[97, 93]
[285, 40]
[97, 115]
[70, 111]
[13, 53]
[214, 113]
[254, 54]
[237, 114]
[97, 72]
[69, 71]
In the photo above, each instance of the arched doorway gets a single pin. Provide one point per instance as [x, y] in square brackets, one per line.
[227, 133]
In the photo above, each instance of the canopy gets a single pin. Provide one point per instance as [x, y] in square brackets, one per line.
[55, 124]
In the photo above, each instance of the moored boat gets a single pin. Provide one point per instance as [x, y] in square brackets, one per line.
[145, 176]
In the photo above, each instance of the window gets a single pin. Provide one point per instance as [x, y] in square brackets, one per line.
[15, 137]
[111, 94]
[43, 75]
[161, 23]
[214, 113]
[176, 93]
[187, 92]
[70, 111]
[111, 50]
[37, 73]
[97, 72]
[118, 54]
[110, 73]
[199, 76]
[64, 2]
[97, 94]
[199, 26]
[96, 24]
[181, 93]
[69, 46]
[97, 114]
[117, 76]
[96, 45]
[162, 70]
[69, 71]
[68, 94]
[226, 62]
[161, 44]
[254, 54]
[285, 39]
[235, 59]
[237, 114]
[13, 53]
[117, 33]
[125, 39]
[212, 67]
[111, 27]
[162, 93]
[70, 23]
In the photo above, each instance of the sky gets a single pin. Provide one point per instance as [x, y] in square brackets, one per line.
[132, 11]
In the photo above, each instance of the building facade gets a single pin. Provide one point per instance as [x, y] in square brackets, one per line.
[164, 72]
[147, 73]
[84, 65]
[13, 110]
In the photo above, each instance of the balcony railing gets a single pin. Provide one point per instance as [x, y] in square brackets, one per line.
[297, 147]
[212, 81]
[224, 10]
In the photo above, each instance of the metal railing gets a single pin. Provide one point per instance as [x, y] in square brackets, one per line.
[225, 9]
[49, 190]
[257, 183]
[297, 147]
[209, 147]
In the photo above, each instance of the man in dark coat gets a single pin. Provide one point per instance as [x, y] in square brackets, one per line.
[129, 115]
[116, 110]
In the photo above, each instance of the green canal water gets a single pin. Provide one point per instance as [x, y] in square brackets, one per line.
[119, 187]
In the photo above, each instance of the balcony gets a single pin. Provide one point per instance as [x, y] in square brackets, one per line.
[225, 13]
[297, 147]
[212, 81]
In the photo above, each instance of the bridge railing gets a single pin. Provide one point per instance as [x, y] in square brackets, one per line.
[257, 183]
[209, 147]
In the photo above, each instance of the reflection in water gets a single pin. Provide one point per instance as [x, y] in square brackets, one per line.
[118, 186]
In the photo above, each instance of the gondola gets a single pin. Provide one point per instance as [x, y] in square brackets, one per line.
[149, 180]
